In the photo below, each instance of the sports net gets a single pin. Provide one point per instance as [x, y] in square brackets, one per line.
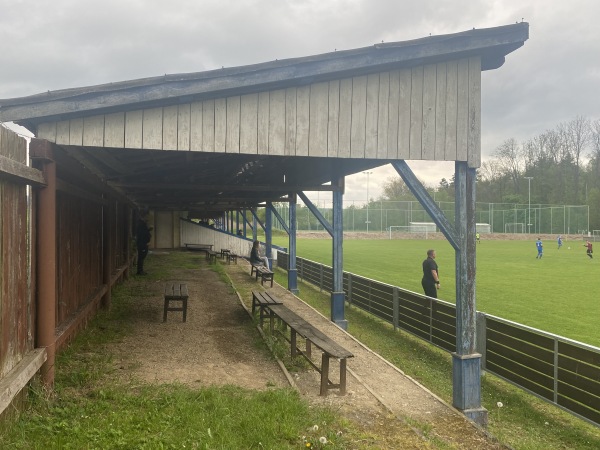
[514, 227]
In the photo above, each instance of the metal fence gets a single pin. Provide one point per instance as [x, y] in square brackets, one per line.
[502, 217]
[559, 370]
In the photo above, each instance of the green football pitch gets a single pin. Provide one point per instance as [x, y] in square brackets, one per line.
[558, 293]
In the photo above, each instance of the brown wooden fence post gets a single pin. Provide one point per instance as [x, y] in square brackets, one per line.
[108, 249]
[45, 228]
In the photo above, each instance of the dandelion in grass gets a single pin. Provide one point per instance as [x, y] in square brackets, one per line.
[308, 445]
[315, 428]
[499, 405]
[323, 440]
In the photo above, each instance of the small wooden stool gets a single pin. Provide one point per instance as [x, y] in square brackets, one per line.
[175, 291]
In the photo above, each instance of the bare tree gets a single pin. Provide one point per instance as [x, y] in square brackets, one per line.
[510, 159]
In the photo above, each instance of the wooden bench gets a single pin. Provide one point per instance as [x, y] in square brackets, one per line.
[263, 272]
[231, 257]
[263, 300]
[312, 336]
[211, 255]
[199, 247]
[175, 292]
[224, 253]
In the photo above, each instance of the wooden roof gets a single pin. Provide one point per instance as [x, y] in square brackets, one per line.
[209, 178]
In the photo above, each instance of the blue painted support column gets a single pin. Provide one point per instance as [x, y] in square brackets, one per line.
[244, 221]
[466, 362]
[254, 225]
[337, 294]
[292, 271]
[269, 232]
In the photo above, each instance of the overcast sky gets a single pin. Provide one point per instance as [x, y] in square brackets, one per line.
[554, 77]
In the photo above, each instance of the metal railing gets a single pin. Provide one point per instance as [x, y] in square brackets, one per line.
[554, 368]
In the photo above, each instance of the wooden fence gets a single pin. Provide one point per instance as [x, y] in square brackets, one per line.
[559, 370]
[17, 307]
[92, 247]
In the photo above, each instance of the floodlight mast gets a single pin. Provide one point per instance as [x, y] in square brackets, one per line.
[368, 173]
[529, 204]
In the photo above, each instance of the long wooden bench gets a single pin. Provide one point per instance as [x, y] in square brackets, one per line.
[263, 300]
[313, 336]
[198, 247]
[175, 292]
[263, 272]
[231, 257]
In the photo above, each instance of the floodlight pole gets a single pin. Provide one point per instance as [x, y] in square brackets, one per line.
[367, 173]
[529, 204]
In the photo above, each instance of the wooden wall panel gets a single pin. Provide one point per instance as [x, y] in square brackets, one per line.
[462, 110]
[404, 113]
[133, 129]
[47, 131]
[277, 122]
[152, 128]
[302, 120]
[345, 127]
[263, 123]
[474, 115]
[290, 121]
[114, 130]
[383, 115]
[319, 119]
[429, 111]
[169, 135]
[393, 103]
[451, 109]
[93, 131]
[416, 113]
[183, 127]
[196, 127]
[76, 132]
[440, 112]
[333, 118]
[249, 124]
[372, 116]
[232, 139]
[63, 132]
[359, 115]
[220, 124]
[208, 126]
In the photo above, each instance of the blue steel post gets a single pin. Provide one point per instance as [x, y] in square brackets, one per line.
[254, 225]
[292, 271]
[466, 362]
[337, 293]
[269, 232]
[244, 220]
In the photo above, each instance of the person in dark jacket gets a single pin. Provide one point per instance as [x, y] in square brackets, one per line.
[142, 238]
[431, 278]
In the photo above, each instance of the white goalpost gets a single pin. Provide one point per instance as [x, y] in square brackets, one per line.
[514, 227]
[417, 230]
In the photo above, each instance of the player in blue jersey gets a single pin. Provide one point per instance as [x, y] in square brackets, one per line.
[540, 248]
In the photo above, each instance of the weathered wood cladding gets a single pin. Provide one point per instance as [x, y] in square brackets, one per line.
[16, 304]
[430, 112]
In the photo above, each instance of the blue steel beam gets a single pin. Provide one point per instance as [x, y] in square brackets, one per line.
[269, 233]
[427, 202]
[313, 209]
[280, 220]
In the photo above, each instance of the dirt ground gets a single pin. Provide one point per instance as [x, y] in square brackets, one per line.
[218, 345]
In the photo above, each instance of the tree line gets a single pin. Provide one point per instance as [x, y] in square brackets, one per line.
[563, 163]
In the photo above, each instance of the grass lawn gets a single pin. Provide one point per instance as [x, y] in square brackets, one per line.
[557, 294]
